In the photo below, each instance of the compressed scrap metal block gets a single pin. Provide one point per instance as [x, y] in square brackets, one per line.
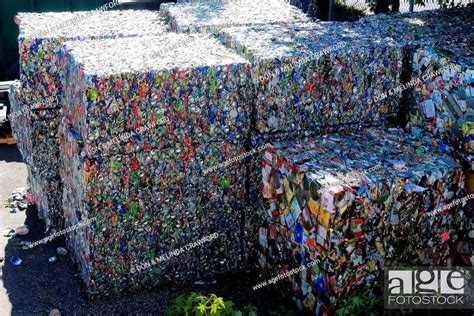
[147, 204]
[17, 119]
[199, 93]
[210, 17]
[47, 189]
[44, 161]
[37, 130]
[443, 98]
[41, 65]
[315, 78]
[41, 60]
[311, 76]
[352, 203]
[440, 30]
[168, 184]
[421, 28]
[41, 36]
[431, 40]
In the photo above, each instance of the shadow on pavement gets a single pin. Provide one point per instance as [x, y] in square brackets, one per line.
[10, 153]
[37, 286]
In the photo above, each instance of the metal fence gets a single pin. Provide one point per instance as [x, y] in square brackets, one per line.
[327, 9]
[405, 5]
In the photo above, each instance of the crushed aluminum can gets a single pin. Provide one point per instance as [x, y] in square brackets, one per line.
[61, 251]
[54, 312]
[15, 260]
[22, 230]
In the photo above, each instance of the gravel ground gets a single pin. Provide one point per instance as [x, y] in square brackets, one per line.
[38, 286]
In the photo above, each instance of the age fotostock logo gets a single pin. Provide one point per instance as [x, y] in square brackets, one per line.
[429, 288]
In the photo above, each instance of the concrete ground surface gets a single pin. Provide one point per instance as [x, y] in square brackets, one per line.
[37, 286]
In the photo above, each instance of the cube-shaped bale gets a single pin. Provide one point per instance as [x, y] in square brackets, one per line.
[343, 206]
[311, 76]
[210, 17]
[443, 95]
[156, 155]
[193, 94]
